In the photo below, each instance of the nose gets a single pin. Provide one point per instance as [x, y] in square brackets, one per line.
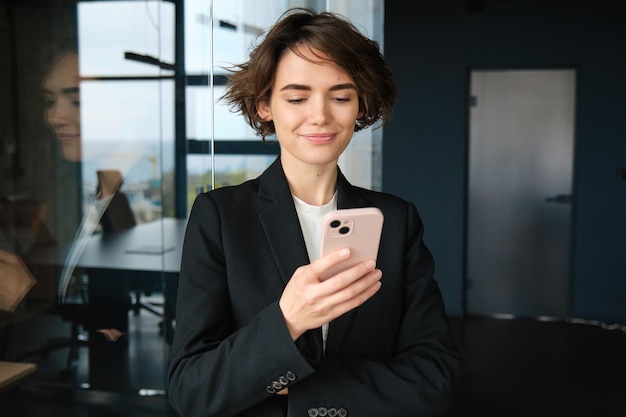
[59, 113]
[319, 113]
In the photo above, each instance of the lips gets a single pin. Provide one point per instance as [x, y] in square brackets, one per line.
[68, 136]
[319, 138]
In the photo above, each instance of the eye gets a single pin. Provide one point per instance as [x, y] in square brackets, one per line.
[342, 99]
[73, 98]
[48, 99]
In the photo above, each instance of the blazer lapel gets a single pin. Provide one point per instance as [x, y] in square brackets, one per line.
[348, 195]
[282, 228]
[280, 221]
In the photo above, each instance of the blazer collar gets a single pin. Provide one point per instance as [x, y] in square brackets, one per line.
[279, 219]
[273, 186]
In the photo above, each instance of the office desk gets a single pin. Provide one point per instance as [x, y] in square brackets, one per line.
[149, 250]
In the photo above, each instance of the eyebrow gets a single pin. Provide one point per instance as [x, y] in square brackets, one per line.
[70, 90]
[346, 86]
[64, 91]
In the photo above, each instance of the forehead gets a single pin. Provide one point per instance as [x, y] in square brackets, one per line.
[63, 73]
[308, 66]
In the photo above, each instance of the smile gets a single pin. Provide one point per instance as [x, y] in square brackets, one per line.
[319, 138]
[68, 136]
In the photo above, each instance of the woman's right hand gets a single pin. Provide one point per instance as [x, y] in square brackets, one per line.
[308, 303]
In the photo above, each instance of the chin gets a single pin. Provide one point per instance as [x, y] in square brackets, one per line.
[72, 155]
[324, 161]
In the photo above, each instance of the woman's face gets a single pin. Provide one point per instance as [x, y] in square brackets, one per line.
[314, 106]
[62, 100]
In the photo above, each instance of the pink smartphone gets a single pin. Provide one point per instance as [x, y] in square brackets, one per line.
[358, 229]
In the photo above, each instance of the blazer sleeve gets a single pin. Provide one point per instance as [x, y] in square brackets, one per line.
[216, 369]
[418, 379]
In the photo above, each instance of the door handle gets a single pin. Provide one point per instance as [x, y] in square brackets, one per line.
[560, 199]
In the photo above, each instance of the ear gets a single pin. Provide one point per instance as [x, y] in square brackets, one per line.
[263, 110]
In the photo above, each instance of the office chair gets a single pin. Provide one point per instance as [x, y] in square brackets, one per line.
[117, 217]
[74, 310]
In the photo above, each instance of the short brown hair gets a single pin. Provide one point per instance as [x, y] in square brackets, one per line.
[251, 82]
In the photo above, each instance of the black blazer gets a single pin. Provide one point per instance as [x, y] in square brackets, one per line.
[392, 356]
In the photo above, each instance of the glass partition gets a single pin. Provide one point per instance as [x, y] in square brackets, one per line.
[110, 126]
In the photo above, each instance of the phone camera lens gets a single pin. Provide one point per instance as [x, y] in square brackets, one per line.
[344, 230]
[335, 223]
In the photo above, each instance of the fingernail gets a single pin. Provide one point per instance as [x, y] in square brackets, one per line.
[344, 253]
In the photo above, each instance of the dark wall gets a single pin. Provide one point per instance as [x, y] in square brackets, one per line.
[431, 50]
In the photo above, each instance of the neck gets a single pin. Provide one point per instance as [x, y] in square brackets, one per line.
[314, 185]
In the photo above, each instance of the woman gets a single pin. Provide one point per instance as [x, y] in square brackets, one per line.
[257, 332]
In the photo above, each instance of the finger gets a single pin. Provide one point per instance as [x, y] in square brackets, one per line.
[336, 303]
[360, 285]
[327, 261]
[348, 276]
[355, 295]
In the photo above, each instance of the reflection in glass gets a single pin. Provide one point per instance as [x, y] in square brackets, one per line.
[125, 113]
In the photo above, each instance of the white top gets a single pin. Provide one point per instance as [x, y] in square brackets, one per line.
[311, 223]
